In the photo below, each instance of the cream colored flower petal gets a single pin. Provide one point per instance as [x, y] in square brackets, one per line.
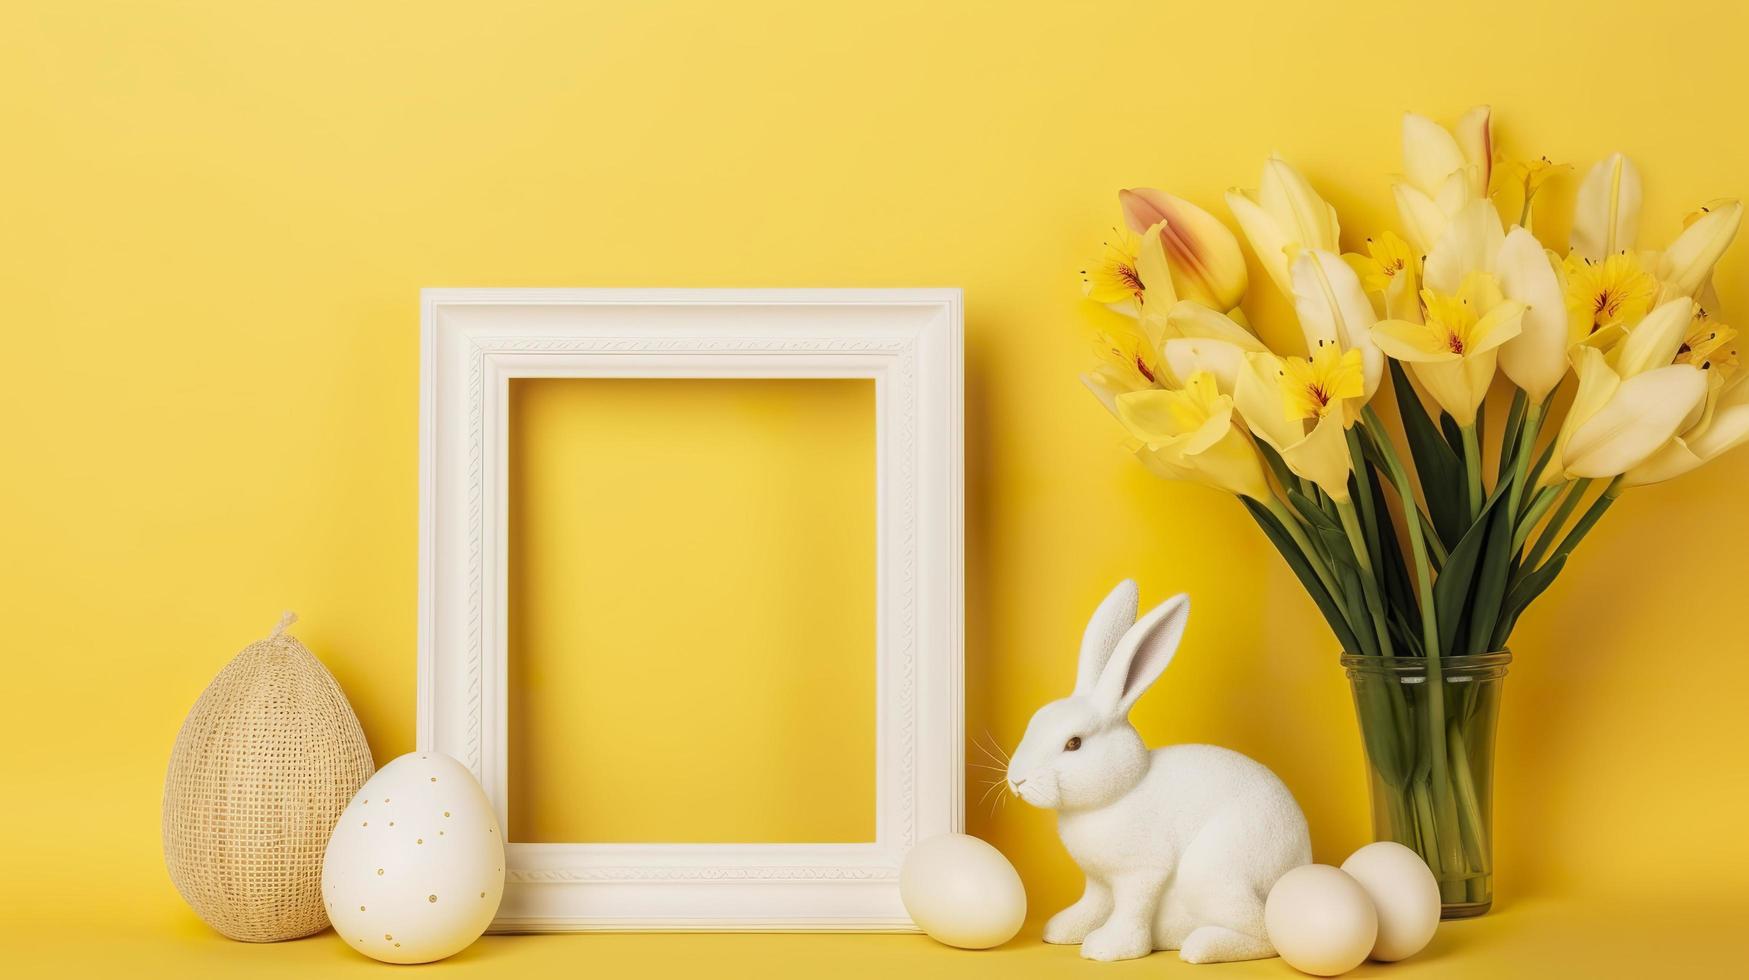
[1193, 320]
[1423, 221]
[1430, 154]
[1333, 309]
[1257, 394]
[1475, 135]
[1303, 216]
[1536, 359]
[1158, 289]
[1185, 356]
[1100, 381]
[1725, 427]
[1150, 416]
[1606, 214]
[1403, 298]
[1471, 243]
[1502, 322]
[1636, 422]
[1688, 263]
[1597, 385]
[1457, 385]
[1268, 240]
[1411, 343]
[1654, 341]
[1322, 456]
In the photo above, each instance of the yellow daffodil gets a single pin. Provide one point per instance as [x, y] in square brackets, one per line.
[1334, 311]
[1188, 433]
[1709, 345]
[1442, 171]
[1723, 425]
[1527, 177]
[1281, 218]
[1453, 352]
[1312, 386]
[1606, 214]
[1606, 296]
[1202, 256]
[1387, 257]
[1630, 402]
[1129, 360]
[1195, 338]
[1536, 359]
[1516, 184]
[1305, 427]
[1113, 278]
[1688, 263]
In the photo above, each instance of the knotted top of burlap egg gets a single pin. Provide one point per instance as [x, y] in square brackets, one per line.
[266, 761]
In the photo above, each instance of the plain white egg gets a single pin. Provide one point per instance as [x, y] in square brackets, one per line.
[415, 868]
[1404, 892]
[962, 892]
[1320, 920]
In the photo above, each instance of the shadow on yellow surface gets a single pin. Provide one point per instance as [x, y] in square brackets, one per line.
[1532, 940]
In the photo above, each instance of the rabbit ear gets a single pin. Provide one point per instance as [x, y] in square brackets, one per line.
[1143, 653]
[1114, 615]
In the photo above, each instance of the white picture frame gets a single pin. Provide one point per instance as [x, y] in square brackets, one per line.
[909, 342]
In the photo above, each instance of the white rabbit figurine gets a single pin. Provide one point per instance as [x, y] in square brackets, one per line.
[1180, 845]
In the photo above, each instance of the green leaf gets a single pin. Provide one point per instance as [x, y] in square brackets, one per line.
[1302, 569]
[1522, 595]
[1491, 581]
[1513, 432]
[1451, 591]
[1440, 470]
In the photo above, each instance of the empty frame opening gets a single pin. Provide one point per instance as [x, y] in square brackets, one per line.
[692, 610]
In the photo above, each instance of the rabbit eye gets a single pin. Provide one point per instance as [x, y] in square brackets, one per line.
[1072, 744]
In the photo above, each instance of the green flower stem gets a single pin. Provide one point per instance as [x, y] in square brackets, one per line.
[1590, 518]
[1369, 583]
[1575, 494]
[1533, 419]
[1445, 815]
[1475, 848]
[1291, 522]
[1473, 469]
[1539, 505]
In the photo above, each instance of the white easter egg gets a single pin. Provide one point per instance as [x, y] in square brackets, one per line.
[1320, 920]
[1404, 892]
[415, 867]
[962, 892]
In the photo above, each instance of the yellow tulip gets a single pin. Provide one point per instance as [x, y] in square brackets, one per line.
[1723, 425]
[1453, 353]
[1606, 214]
[1202, 257]
[1630, 402]
[1442, 172]
[1688, 263]
[1334, 311]
[1188, 434]
[1283, 217]
[1536, 359]
[1317, 451]
[1470, 243]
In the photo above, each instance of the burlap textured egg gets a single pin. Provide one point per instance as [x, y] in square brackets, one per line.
[262, 769]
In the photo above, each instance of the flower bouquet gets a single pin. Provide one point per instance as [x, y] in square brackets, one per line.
[1423, 544]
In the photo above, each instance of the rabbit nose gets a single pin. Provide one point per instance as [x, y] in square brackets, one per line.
[1016, 783]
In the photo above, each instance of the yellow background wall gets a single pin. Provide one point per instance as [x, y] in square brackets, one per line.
[215, 217]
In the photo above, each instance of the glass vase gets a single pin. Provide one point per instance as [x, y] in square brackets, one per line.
[1428, 729]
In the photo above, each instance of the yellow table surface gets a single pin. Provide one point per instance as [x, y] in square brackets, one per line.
[1524, 939]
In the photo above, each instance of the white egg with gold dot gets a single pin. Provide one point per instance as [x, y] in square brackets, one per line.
[415, 867]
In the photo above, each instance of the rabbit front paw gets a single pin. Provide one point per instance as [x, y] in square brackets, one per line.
[1117, 941]
[1072, 925]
